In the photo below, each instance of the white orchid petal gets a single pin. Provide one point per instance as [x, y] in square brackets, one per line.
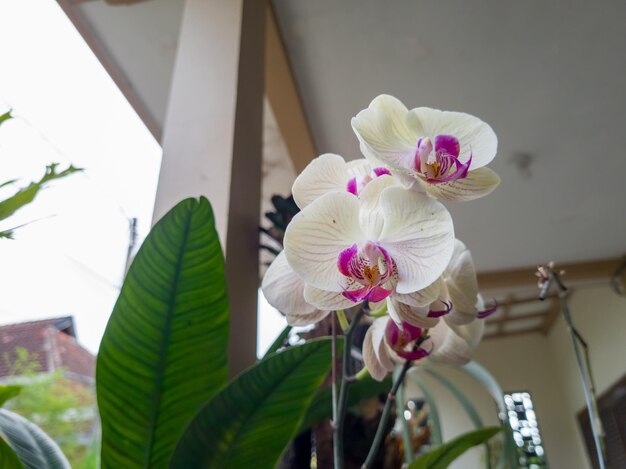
[326, 300]
[472, 332]
[423, 297]
[476, 184]
[316, 236]
[453, 348]
[461, 284]
[371, 217]
[474, 135]
[299, 320]
[458, 318]
[383, 131]
[419, 236]
[416, 316]
[380, 346]
[370, 359]
[284, 289]
[326, 173]
[359, 168]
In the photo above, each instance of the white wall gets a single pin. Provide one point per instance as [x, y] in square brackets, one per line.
[545, 367]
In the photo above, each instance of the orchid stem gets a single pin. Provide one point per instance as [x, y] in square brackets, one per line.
[380, 312]
[343, 320]
[361, 375]
[342, 403]
[334, 367]
[382, 425]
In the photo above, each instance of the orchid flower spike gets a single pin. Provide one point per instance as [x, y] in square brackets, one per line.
[387, 240]
[441, 153]
[330, 173]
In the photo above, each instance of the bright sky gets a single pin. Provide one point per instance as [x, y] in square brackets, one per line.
[68, 110]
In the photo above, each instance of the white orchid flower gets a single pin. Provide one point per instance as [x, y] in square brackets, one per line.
[387, 240]
[330, 173]
[284, 290]
[443, 153]
[387, 343]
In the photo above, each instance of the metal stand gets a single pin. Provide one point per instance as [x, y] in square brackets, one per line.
[551, 277]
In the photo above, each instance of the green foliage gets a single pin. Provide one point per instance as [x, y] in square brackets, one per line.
[279, 341]
[8, 457]
[321, 407]
[444, 455]
[163, 354]
[34, 448]
[8, 392]
[27, 194]
[62, 408]
[5, 117]
[251, 421]
[433, 411]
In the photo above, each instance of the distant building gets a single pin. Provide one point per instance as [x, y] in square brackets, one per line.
[52, 342]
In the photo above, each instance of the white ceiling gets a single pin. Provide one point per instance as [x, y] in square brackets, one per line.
[548, 76]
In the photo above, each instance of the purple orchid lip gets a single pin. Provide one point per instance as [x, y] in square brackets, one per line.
[398, 339]
[434, 163]
[351, 186]
[368, 268]
[488, 312]
[355, 186]
[380, 171]
[441, 312]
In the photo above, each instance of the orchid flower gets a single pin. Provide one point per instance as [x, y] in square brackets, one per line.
[387, 343]
[284, 290]
[441, 153]
[330, 173]
[387, 240]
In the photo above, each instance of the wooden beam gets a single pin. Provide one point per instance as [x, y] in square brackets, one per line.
[282, 93]
[520, 317]
[574, 272]
[119, 77]
[500, 335]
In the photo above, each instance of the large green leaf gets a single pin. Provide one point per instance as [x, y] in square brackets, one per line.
[163, 354]
[508, 457]
[8, 391]
[433, 412]
[444, 455]
[26, 195]
[8, 457]
[321, 407]
[250, 422]
[467, 405]
[35, 449]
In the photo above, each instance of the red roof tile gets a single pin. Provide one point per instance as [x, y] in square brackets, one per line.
[51, 341]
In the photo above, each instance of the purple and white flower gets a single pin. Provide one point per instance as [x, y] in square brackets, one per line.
[387, 343]
[442, 153]
[331, 173]
[387, 240]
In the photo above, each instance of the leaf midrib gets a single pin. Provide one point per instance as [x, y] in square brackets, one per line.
[167, 332]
